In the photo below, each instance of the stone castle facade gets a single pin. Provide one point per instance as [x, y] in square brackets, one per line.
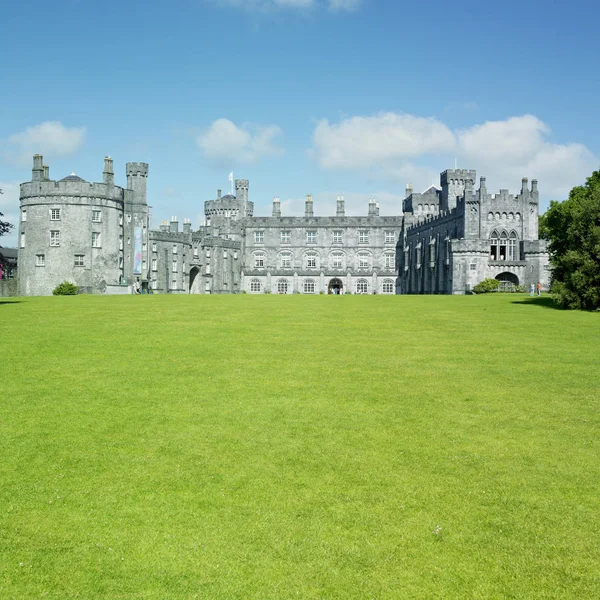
[99, 236]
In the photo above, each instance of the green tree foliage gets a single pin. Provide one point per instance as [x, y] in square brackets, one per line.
[486, 286]
[573, 228]
[66, 288]
[5, 227]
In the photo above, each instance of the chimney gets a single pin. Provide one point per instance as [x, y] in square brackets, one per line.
[164, 226]
[409, 190]
[46, 172]
[276, 207]
[37, 173]
[341, 210]
[308, 206]
[174, 225]
[218, 194]
[534, 187]
[187, 226]
[524, 188]
[108, 175]
[373, 208]
[482, 186]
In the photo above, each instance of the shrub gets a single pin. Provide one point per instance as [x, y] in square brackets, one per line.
[486, 286]
[66, 288]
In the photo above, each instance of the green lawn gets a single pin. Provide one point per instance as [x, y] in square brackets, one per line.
[299, 447]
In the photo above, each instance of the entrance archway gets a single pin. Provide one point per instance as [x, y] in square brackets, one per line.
[509, 282]
[195, 281]
[335, 286]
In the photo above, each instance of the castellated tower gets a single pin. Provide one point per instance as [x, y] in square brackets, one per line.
[78, 231]
[136, 225]
[453, 183]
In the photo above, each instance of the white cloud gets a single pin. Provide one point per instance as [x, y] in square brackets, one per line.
[9, 207]
[378, 141]
[225, 143]
[403, 147]
[348, 5]
[50, 138]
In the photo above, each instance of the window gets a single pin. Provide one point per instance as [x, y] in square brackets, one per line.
[120, 242]
[259, 237]
[79, 260]
[473, 266]
[286, 260]
[311, 237]
[337, 237]
[55, 238]
[207, 287]
[174, 266]
[388, 286]
[282, 286]
[259, 261]
[195, 252]
[154, 264]
[499, 246]
[364, 261]
[174, 284]
[418, 255]
[154, 248]
[207, 253]
[235, 255]
[22, 239]
[286, 237]
[129, 218]
[362, 287]
[174, 248]
[224, 253]
[121, 219]
[255, 285]
[208, 269]
[512, 246]
[144, 266]
[363, 237]
[144, 247]
[120, 262]
[309, 286]
[96, 216]
[24, 215]
[40, 260]
[154, 284]
[390, 260]
[55, 214]
[337, 260]
[311, 261]
[390, 237]
[96, 241]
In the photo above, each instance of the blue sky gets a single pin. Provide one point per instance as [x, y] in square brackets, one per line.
[299, 96]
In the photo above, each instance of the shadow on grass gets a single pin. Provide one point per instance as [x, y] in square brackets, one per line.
[9, 301]
[540, 301]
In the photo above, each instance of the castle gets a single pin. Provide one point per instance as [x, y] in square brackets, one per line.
[99, 236]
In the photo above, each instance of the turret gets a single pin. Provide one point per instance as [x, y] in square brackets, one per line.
[308, 206]
[453, 185]
[37, 173]
[108, 176]
[341, 209]
[276, 207]
[137, 177]
[241, 193]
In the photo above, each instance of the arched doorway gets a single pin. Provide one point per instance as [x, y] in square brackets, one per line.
[335, 286]
[195, 281]
[509, 282]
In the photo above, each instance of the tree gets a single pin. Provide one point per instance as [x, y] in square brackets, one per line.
[5, 227]
[573, 228]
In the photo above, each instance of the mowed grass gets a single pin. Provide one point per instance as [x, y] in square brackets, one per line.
[298, 447]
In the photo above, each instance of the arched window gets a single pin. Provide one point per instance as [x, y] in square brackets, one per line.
[512, 246]
[494, 245]
[259, 260]
[282, 286]
[255, 285]
[309, 286]
[311, 260]
[388, 286]
[285, 260]
[336, 260]
[420, 208]
[362, 286]
[364, 260]
[503, 246]
[490, 216]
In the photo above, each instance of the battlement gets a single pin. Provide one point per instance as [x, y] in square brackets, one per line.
[241, 184]
[137, 169]
[457, 176]
[60, 191]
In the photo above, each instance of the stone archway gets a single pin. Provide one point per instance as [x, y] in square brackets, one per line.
[195, 281]
[509, 282]
[335, 286]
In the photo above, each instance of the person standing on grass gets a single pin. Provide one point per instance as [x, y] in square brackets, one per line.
[532, 289]
[539, 288]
